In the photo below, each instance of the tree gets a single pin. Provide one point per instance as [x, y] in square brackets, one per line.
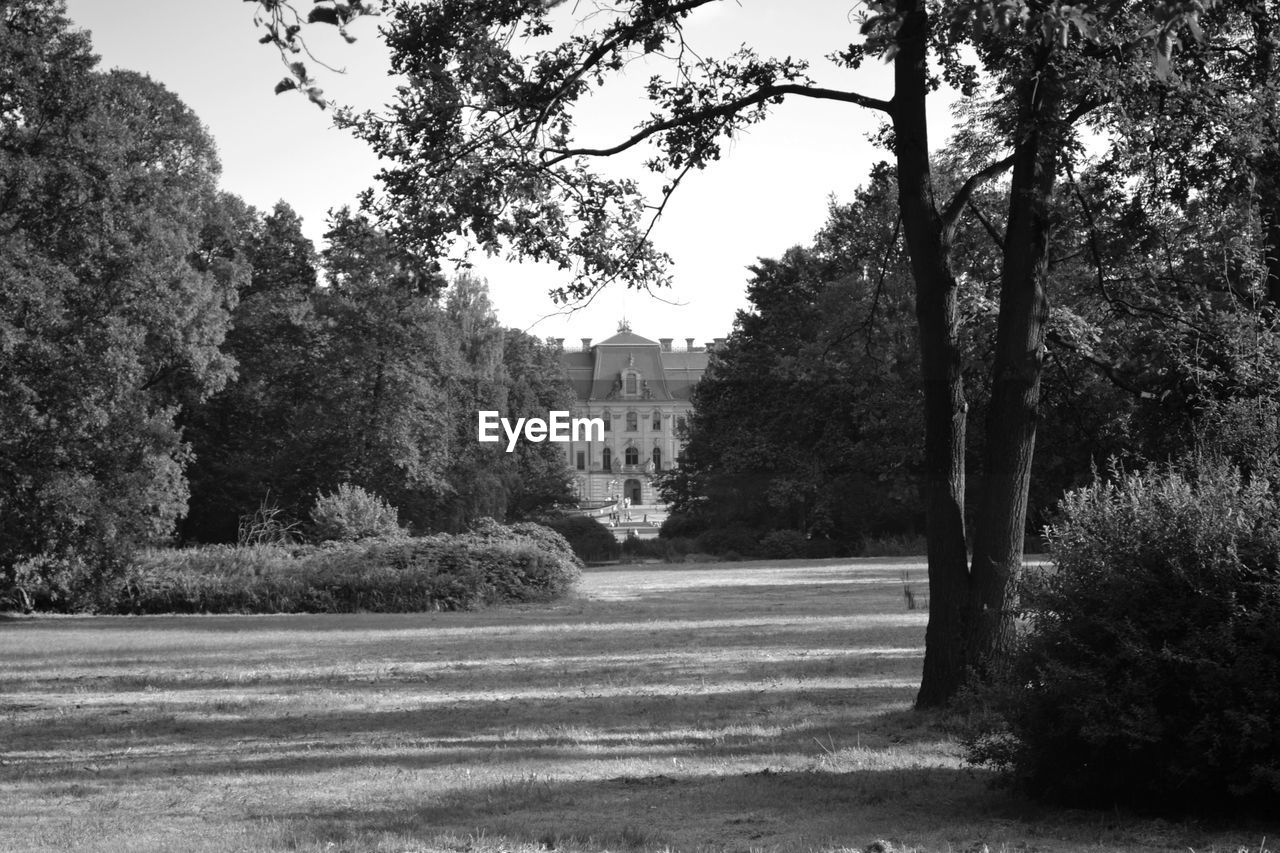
[806, 417]
[243, 437]
[481, 141]
[110, 320]
[508, 371]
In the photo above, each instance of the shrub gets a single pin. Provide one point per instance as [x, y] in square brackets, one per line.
[681, 526]
[350, 514]
[1150, 675]
[894, 545]
[590, 539]
[783, 544]
[741, 541]
[821, 547]
[524, 563]
[634, 546]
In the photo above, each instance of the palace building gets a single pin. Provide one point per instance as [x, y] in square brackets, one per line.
[641, 389]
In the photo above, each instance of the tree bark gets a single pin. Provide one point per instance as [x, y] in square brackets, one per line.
[1015, 377]
[940, 366]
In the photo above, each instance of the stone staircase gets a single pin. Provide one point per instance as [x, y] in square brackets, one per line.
[644, 520]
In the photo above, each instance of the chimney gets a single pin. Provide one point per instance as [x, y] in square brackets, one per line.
[666, 343]
[688, 342]
[559, 343]
[586, 344]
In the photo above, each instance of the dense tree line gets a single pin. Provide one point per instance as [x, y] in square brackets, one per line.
[807, 418]
[171, 358]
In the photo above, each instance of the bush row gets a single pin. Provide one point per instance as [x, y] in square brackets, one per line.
[493, 564]
[739, 543]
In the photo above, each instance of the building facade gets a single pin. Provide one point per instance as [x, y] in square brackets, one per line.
[641, 390]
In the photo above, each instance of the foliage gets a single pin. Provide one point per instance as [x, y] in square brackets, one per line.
[267, 525]
[901, 545]
[351, 513]
[681, 525]
[442, 572]
[381, 375]
[784, 544]
[661, 549]
[590, 539]
[739, 541]
[1150, 672]
[493, 92]
[805, 419]
[244, 437]
[111, 312]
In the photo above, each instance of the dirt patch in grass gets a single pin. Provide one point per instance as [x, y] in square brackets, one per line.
[745, 706]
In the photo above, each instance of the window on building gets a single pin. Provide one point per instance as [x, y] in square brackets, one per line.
[582, 460]
[681, 425]
[608, 421]
[633, 422]
[632, 456]
[657, 458]
[657, 421]
[607, 459]
[631, 384]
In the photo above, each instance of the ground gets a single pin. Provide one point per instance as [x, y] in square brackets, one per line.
[745, 706]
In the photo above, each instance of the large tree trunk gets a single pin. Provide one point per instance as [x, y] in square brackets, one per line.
[944, 402]
[1015, 378]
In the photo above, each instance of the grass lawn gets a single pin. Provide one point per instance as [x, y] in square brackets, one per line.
[742, 706]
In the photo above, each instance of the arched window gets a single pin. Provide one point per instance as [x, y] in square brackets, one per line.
[633, 422]
[607, 461]
[657, 421]
[657, 458]
[632, 456]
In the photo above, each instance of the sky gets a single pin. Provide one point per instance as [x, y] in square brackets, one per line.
[770, 191]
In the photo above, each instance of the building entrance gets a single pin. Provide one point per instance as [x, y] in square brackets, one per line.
[631, 489]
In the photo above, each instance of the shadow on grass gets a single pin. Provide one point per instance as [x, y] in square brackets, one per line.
[764, 809]
[734, 725]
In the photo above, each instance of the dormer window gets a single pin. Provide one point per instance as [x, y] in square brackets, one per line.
[631, 383]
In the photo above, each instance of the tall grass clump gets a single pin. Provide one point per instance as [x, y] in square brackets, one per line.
[350, 514]
[1149, 673]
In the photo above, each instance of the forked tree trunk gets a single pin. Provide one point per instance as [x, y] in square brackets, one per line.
[1015, 378]
[940, 366]
[970, 619]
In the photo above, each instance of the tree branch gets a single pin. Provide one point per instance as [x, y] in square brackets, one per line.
[992, 230]
[951, 215]
[603, 49]
[720, 111]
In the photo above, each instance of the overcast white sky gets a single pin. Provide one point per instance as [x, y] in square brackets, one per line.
[769, 193]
